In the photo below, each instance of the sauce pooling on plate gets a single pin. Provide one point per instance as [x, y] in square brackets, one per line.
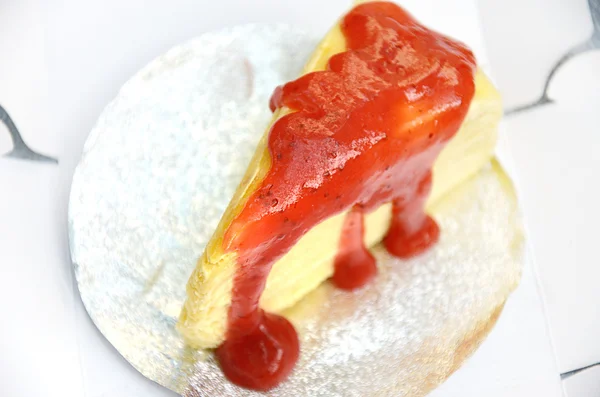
[362, 133]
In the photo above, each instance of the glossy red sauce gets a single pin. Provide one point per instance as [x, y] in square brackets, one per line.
[363, 133]
[354, 265]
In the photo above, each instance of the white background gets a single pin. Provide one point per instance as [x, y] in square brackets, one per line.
[62, 61]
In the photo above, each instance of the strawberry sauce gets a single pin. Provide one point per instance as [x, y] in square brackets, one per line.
[362, 133]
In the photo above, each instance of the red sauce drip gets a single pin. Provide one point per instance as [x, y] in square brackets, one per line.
[263, 356]
[363, 133]
[412, 231]
[354, 265]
